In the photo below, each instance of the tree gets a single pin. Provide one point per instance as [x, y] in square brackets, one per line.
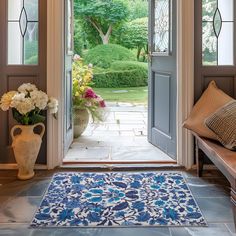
[102, 15]
[134, 35]
[137, 8]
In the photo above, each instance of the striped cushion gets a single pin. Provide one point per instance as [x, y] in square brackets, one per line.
[223, 124]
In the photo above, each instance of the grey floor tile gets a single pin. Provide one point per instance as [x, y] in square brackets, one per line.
[14, 188]
[37, 188]
[15, 230]
[103, 232]
[216, 209]
[211, 230]
[208, 187]
[231, 228]
[19, 209]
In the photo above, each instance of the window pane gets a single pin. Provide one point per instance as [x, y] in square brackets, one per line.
[23, 32]
[14, 9]
[31, 7]
[14, 43]
[161, 30]
[226, 9]
[209, 44]
[226, 49]
[217, 32]
[208, 9]
[31, 44]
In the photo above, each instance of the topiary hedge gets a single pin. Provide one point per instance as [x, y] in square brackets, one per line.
[122, 74]
[103, 55]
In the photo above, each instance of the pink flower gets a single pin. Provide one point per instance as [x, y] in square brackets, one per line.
[90, 93]
[76, 57]
[102, 103]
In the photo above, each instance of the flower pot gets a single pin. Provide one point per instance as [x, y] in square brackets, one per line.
[26, 146]
[81, 120]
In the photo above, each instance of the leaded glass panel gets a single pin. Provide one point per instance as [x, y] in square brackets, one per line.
[162, 26]
[23, 32]
[217, 32]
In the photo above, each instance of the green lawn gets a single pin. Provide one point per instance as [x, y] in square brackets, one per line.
[134, 94]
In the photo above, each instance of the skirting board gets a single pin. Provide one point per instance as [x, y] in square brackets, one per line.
[13, 166]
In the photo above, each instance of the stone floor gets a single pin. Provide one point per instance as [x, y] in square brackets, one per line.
[122, 138]
[20, 199]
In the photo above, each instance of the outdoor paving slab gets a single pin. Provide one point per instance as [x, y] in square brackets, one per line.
[135, 122]
[138, 154]
[88, 153]
[211, 230]
[216, 209]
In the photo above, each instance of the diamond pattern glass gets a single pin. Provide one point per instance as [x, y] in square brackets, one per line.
[23, 32]
[217, 32]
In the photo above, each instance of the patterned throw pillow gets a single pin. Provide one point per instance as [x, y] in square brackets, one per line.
[223, 124]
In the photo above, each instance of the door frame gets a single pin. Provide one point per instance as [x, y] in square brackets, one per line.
[185, 78]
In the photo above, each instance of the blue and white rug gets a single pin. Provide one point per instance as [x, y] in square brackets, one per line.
[118, 199]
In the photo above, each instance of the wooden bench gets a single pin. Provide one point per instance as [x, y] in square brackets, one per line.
[224, 160]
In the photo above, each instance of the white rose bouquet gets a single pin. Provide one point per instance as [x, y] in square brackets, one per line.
[28, 103]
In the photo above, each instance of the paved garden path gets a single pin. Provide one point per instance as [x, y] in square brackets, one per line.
[122, 138]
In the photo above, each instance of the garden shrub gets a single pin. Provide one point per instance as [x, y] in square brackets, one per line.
[122, 74]
[103, 55]
[130, 65]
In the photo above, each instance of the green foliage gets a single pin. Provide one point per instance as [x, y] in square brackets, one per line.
[31, 52]
[137, 8]
[103, 55]
[131, 94]
[130, 65]
[32, 60]
[80, 39]
[122, 74]
[134, 34]
[31, 118]
[103, 16]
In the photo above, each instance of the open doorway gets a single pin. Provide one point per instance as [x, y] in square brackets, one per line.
[127, 135]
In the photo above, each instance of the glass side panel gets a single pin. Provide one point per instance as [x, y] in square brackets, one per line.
[162, 26]
[226, 44]
[226, 8]
[217, 32]
[31, 7]
[31, 44]
[23, 32]
[209, 44]
[14, 9]
[208, 9]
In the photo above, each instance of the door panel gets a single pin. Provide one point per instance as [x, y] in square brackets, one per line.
[68, 119]
[162, 76]
[29, 69]
[213, 64]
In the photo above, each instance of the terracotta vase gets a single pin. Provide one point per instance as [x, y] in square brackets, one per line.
[26, 146]
[81, 120]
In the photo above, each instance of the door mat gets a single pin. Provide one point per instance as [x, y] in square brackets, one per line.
[118, 200]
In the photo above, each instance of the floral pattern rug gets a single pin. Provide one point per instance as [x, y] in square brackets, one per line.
[118, 199]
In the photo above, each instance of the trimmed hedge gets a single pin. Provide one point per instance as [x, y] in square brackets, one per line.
[130, 65]
[103, 55]
[121, 74]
